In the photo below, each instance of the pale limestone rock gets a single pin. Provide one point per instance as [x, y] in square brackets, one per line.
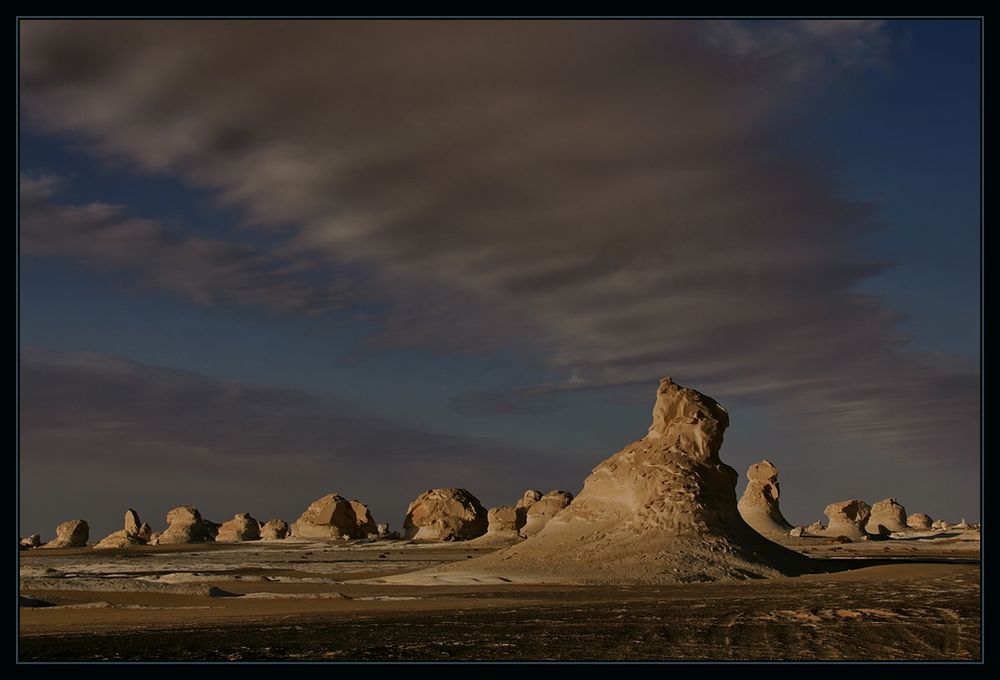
[33, 541]
[445, 515]
[816, 528]
[848, 519]
[274, 530]
[185, 525]
[134, 533]
[759, 504]
[919, 520]
[541, 511]
[797, 532]
[940, 525]
[662, 510]
[71, 534]
[334, 517]
[240, 528]
[887, 516]
[132, 523]
[528, 498]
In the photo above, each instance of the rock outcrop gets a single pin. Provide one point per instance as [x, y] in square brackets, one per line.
[505, 523]
[848, 519]
[887, 516]
[919, 520]
[545, 508]
[33, 541]
[71, 534]
[445, 515]
[185, 525]
[241, 527]
[334, 517]
[662, 510]
[758, 505]
[274, 530]
[528, 498]
[136, 532]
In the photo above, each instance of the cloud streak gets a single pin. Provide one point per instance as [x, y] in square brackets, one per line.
[614, 195]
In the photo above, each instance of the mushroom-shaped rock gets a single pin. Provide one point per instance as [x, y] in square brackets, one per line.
[274, 530]
[919, 520]
[28, 542]
[185, 525]
[544, 509]
[241, 527]
[661, 510]
[71, 534]
[886, 517]
[334, 517]
[848, 519]
[759, 504]
[445, 515]
[529, 498]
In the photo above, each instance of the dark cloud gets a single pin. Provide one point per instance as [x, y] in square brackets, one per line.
[611, 194]
[113, 434]
[207, 271]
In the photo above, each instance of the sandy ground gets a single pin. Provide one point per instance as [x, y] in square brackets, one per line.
[287, 600]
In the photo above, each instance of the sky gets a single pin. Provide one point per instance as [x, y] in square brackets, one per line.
[262, 261]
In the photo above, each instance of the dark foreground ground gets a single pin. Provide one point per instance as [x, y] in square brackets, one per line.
[904, 611]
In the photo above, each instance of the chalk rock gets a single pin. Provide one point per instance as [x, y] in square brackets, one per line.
[71, 534]
[759, 503]
[240, 528]
[334, 517]
[32, 541]
[887, 516]
[185, 525]
[661, 510]
[848, 519]
[541, 511]
[445, 515]
[797, 532]
[530, 497]
[940, 525]
[274, 530]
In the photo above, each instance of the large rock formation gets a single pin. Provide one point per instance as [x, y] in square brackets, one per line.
[185, 525]
[848, 519]
[505, 523]
[242, 527]
[71, 534]
[274, 530]
[662, 510]
[135, 532]
[919, 520]
[445, 515]
[545, 508]
[886, 517]
[334, 517]
[758, 505]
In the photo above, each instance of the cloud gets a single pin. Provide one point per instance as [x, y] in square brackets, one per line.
[109, 433]
[106, 238]
[612, 195]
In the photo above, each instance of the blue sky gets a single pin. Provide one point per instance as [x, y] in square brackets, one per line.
[504, 245]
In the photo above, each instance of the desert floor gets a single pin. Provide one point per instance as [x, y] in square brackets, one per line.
[300, 600]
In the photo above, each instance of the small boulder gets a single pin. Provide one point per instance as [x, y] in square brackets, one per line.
[29, 542]
[919, 520]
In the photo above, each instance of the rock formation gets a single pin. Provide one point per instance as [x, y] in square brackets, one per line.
[886, 517]
[135, 532]
[530, 496]
[445, 515]
[759, 504]
[185, 525]
[940, 525]
[334, 517]
[71, 534]
[29, 542]
[505, 523]
[545, 508]
[274, 530]
[848, 519]
[662, 510]
[241, 527]
[919, 520]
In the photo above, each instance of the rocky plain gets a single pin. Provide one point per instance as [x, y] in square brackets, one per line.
[654, 559]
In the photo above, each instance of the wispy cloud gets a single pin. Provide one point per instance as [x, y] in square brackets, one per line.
[612, 194]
